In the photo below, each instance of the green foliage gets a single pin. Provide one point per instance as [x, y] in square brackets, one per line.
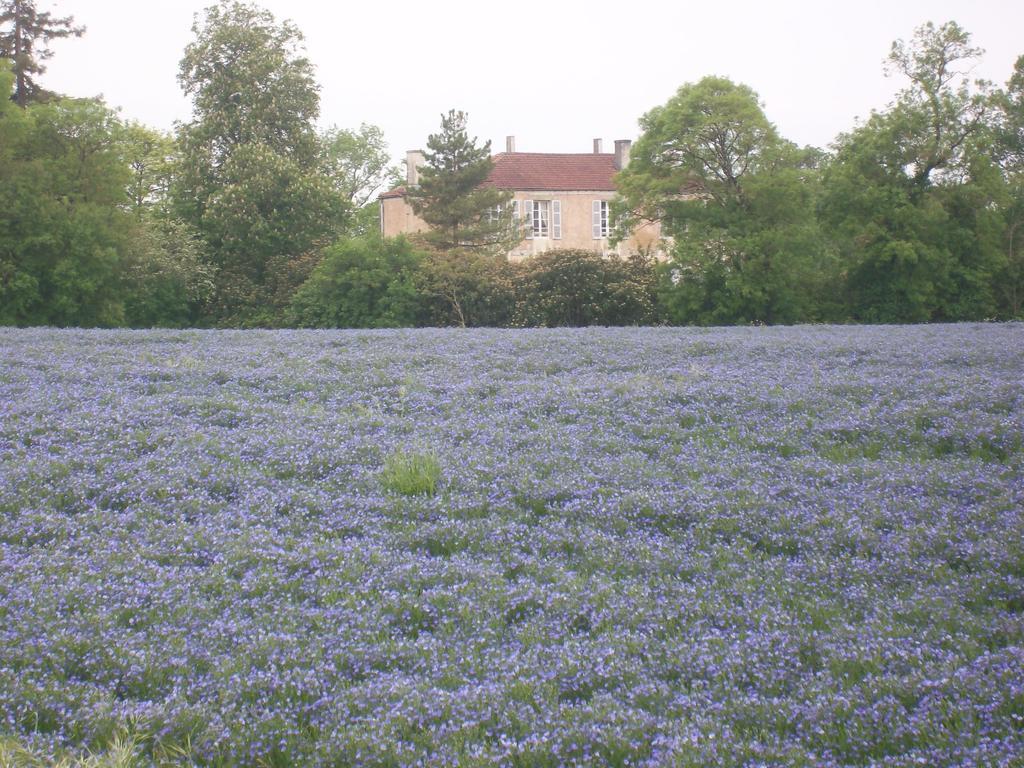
[365, 282]
[938, 112]
[250, 178]
[364, 221]
[905, 194]
[167, 277]
[462, 214]
[266, 212]
[25, 34]
[358, 163]
[708, 138]
[466, 289]
[578, 288]
[250, 84]
[151, 156]
[411, 474]
[63, 223]
[738, 202]
[1009, 211]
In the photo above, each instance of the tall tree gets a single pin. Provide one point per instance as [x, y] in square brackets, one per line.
[904, 192]
[25, 36]
[250, 177]
[738, 202]
[939, 109]
[463, 214]
[1009, 146]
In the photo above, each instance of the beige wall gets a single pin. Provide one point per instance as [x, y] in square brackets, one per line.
[397, 218]
[577, 225]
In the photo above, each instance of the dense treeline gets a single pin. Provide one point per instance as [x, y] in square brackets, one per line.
[249, 216]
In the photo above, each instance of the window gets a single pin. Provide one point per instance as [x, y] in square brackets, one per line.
[602, 219]
[543, 218]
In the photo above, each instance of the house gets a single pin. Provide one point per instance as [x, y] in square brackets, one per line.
[565, 200]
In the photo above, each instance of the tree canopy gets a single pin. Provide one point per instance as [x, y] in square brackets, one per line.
[906, 191]
[737, 201]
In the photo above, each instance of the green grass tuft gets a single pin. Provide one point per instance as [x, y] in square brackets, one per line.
[411, 474]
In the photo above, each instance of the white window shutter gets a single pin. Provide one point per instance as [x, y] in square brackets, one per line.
[556, 219]
[596, 220]
[528, 204]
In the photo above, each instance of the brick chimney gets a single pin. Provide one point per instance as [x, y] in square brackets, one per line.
[510, 144]
[597, 146]
[413, 160]
[622, 153]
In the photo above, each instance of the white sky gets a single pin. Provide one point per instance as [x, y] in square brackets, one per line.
[556, 75]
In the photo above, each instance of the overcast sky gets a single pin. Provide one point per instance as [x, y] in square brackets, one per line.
[556, 75]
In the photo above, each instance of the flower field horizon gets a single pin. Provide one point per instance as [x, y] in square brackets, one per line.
[628, 547]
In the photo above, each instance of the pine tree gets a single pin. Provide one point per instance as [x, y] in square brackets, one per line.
[462, 214]
[25, 34]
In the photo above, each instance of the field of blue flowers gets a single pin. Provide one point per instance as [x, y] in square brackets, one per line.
[633, 547]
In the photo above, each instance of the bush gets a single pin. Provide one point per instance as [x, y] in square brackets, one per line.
[578, 288]
[466, 289]
[363, 282]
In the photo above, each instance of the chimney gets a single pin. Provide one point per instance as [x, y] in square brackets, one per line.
[413, 160]
[597, 146]
[622, 153]
[510, 144]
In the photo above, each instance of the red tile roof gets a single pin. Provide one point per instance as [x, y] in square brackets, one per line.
[553, 172]
[542, 171]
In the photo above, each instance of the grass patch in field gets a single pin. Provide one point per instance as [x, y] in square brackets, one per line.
[411, 474]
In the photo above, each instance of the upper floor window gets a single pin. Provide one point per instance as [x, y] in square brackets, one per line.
[543, 218]
[602, 219]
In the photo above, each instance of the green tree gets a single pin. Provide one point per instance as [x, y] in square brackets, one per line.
[63, 214]
[265, 218]
[941, 109]
[362, 282]
[19, 286]
[905, 191]
[738, 202]
[250, 178]
[1009, 151]
[358, 163]
[151, 157]
[463, 213]
[25, 36]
